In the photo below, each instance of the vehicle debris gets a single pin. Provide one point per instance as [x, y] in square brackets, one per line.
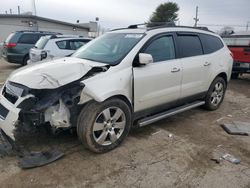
[219, 154]
[237, 128]
[5, 145]
[170, 135]
[156, 133]
[37, 159]
[230, 158]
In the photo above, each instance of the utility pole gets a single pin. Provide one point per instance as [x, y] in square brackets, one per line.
[34, 6]
[10, 11]
[18, 9]
[196, 19]
[247, 26]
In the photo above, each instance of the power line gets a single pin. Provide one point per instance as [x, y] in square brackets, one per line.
[221, 25]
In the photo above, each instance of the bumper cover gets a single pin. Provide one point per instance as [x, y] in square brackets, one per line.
[241, 67]
[8, 123]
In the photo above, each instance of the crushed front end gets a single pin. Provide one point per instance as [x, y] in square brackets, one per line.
[23, 109]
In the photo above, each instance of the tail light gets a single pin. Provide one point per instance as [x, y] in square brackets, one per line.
[10, 45]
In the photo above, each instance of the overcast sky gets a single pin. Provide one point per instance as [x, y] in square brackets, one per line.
[121, 13]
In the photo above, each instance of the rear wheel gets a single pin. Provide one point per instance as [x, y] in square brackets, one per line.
[103, 126]
[215, 94]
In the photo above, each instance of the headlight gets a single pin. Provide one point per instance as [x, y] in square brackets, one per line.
[13, 89]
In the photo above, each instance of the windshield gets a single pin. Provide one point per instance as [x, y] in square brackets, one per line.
[40, 44]
[110, 48]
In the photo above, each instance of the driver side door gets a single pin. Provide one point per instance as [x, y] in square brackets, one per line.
[159, 83]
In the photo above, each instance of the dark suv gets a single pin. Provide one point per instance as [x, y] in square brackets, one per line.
[17, 45]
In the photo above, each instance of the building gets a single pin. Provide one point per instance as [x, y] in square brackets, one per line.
[17, 22]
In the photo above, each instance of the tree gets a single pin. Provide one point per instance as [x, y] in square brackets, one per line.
[226, 31]
[165, 12]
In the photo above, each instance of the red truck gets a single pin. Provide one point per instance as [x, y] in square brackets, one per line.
[240, 48]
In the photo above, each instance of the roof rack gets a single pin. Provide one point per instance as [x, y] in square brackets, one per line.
[49, 32]
[159, 25]
[180, 26]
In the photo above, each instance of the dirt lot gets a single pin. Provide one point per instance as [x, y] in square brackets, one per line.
[148, 157]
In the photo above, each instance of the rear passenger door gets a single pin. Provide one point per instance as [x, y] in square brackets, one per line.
[193, 64]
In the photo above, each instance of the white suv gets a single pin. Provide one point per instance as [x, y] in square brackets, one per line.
[128, 77]
[51, 46]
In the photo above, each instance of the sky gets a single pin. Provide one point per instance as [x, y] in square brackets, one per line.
[121, 13]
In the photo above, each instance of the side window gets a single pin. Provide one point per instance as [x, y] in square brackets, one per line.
[161, 49]
[210, 43]
[189, 45]
[64, 45]
[28, 38]
[75, 44]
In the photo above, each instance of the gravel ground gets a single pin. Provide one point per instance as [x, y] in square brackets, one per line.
[149, 157]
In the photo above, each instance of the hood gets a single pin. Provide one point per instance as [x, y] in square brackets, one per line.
[53, 74]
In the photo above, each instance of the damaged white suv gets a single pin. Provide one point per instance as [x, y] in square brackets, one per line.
[126, 77]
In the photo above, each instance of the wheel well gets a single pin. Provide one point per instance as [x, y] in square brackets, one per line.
[27, 55]
[123, 98]
[223, 75]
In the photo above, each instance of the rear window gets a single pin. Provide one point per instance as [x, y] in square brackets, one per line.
[210, 43]
[9, 37]
[28, 38]
[41, 43]
[189, 45]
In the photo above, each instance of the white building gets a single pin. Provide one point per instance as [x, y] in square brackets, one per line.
[17, 22]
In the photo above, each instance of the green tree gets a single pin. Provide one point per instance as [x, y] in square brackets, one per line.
[165, 12]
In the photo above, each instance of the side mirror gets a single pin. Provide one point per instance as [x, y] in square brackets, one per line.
[145, 58]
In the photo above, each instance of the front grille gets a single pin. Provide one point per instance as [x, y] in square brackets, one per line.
[3, 112]
[10, 97]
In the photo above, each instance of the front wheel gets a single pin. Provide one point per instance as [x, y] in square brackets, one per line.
[103, 126]
[215, 94]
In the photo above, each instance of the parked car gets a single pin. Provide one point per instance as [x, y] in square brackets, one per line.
[17, 45]
[239, 45]
[127, 77]
[51, 46]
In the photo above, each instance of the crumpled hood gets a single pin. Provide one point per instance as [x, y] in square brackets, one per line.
[53, 74]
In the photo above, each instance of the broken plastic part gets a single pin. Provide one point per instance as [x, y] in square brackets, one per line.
[231, 158]
[60, 118]
[37, 159]
[237, 128]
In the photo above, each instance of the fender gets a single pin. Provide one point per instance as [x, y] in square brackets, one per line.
[111, 83]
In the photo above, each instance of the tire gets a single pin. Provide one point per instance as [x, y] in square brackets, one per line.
[101, 127]
[215, 94]
[235, 75]
[25, 60]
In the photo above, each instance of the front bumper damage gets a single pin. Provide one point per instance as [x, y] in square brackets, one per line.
[9, 114]
[21, 114]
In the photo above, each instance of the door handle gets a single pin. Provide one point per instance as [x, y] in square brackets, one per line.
[175, 69]
[207, 63]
